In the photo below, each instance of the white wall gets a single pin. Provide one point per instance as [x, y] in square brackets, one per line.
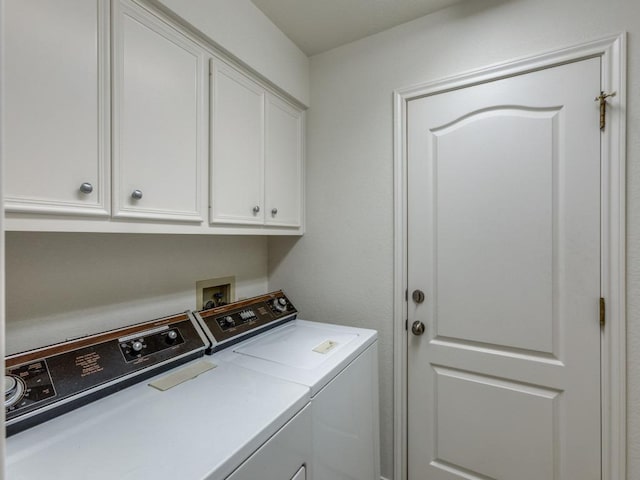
[61, 285]
[242, 29]
[341, 270]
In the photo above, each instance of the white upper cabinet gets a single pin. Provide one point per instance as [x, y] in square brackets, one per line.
[55, 106]
[159, 130]
[256, 162]
[237, 145]
[283, 164]
[117, 118]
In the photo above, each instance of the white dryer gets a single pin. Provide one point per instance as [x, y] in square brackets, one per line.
[226, 423]
[339, 364]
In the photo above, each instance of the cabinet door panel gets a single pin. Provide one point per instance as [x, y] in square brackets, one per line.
[56, 106]
[238, 148]
[283, 164]
[158, 119]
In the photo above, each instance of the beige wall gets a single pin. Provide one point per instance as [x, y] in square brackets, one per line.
[341, 270]
[62, 285]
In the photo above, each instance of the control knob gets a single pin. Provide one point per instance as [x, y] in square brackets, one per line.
[280, 304]
[13, 390]
[171, 336]
[228, 321]
[136, 346]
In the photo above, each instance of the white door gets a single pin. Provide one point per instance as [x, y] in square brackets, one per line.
[301, 475]
[504, 241]
[159, 152]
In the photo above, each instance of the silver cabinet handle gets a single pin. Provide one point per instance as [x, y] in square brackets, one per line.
[136, 194]
[256, 209]
[274, 211]
[86, 188]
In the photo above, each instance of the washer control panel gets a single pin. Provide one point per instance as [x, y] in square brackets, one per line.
[231, 323]
[46, 382]
[137, 346]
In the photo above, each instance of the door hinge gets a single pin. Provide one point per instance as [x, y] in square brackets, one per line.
[602, 98]
[602, 312]
[406, 324]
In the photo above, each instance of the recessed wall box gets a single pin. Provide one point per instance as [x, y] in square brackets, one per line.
[215, 292]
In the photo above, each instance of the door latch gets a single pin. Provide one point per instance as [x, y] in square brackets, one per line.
[602, 98]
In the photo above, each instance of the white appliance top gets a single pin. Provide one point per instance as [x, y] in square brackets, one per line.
[300, 351]
[201, 429]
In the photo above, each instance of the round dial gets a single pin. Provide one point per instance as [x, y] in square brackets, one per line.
[13, 390]
[280, 304]
[136, 346]
[228, 320]
[172, 334]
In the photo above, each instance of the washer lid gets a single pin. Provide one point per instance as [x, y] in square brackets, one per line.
[300, 346]
[304, 352]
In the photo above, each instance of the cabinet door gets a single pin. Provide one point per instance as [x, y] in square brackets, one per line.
[283, 164]
[237, 163]
[55, 106]
[159, 142]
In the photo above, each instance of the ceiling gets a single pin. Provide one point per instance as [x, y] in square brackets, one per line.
[319, 25]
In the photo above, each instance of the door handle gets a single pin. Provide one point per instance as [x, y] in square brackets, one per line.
[417, 328]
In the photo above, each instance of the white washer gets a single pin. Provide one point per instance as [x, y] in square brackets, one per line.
[204, 428]
[340, 366]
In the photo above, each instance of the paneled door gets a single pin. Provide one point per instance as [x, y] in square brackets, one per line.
[504, 259]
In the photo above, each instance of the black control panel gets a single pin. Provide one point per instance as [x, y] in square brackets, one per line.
[138, 346]
[236, 321]
[43, 383]
[27, 385]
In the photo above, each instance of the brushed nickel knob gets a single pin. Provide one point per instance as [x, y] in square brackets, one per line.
[86, 188]
[274, 211]
[136, 194]
[256, 209]
[418, 328]
[418, 296]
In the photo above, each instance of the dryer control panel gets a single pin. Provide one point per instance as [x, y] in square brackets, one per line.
[237, 321]
[46, 382]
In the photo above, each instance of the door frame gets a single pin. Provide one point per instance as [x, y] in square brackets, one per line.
[612, 51]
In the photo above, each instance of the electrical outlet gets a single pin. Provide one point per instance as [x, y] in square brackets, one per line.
[215, 292]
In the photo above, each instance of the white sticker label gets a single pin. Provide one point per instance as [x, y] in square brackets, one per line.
[325, 346]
